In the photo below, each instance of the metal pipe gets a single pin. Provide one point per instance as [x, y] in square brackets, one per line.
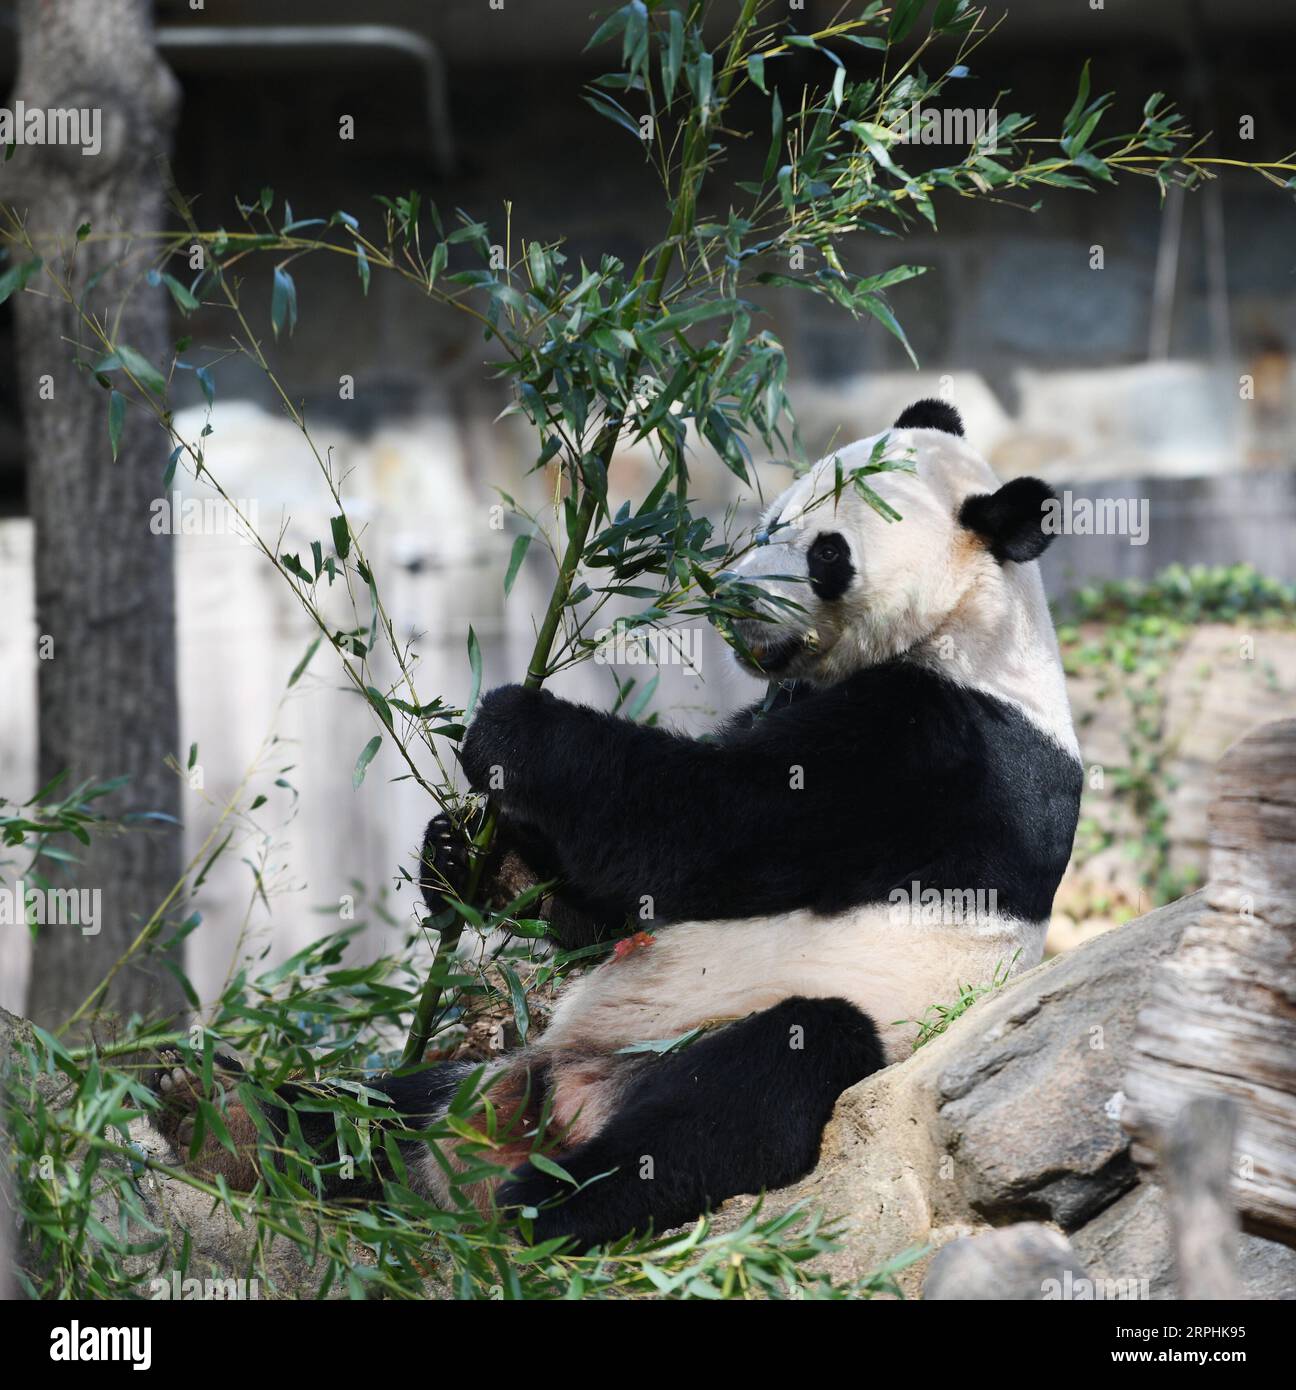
[175, 39]
[1166, 276]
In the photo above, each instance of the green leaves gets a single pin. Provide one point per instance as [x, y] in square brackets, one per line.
[672, 54]
[301, 666]
[367, 755]
[1080, 123]
[116, 420]
[700, 76]
[183, 296]
[283, 302]
[546, 1165]
[520, 547]
[614, 112]
[292, 563]
[17, 276]
[475, 663]
[904, 15]
[379, 702]
[137, 365]
[341, 536]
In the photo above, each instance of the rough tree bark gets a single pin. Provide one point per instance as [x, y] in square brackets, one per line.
[1221, 1015]
[105, 593]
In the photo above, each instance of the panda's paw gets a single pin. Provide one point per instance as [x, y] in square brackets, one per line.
[589, 1215]
[179, 1091]
[527, 1187]
[445, 861]
[180, 1094]
[494, 750]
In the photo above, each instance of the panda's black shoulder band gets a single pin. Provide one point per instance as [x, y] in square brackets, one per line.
[930, 414]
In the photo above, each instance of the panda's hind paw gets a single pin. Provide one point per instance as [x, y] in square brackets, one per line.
[180, 1094]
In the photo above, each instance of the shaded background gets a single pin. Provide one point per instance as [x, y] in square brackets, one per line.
[1123, 381]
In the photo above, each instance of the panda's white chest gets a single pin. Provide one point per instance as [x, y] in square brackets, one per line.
[695, 972]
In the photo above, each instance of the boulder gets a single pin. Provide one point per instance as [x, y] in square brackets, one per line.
[1019, 1263]
[1012, 1116]
[1131, 1239]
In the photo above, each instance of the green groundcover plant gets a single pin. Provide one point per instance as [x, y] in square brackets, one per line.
[671, 352]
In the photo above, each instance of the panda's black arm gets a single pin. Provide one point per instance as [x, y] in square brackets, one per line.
[667, 827]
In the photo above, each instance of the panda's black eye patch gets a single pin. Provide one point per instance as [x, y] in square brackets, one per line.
[830, 565]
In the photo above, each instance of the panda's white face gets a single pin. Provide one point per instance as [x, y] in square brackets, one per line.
[869, 588]
[948, 584]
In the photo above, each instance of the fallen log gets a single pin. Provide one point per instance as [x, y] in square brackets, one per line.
[1220, 1016]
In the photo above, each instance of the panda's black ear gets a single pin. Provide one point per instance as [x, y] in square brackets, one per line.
[1012, 519]
[930, 414]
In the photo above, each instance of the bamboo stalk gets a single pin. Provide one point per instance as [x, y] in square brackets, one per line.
[692, 172]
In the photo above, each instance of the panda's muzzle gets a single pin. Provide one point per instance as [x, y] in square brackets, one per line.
[771, 650]
[782, 635]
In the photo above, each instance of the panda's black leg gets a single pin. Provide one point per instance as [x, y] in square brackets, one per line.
[739, 1111]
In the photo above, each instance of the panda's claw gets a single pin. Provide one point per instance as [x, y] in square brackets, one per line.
[445, 861]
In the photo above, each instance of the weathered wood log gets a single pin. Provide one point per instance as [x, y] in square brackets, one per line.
[1220, 1019]
[1197, 1158]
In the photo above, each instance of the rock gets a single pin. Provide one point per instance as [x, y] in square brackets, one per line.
[1226, 679]
[1009, 1115]
[1028, 1108]
[1132, 1240]
[1018, 1263]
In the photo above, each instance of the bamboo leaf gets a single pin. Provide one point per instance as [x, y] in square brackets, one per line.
[520, 547]
[180, 293]
[283, 302]
[903, 18]
[16, 277]
[141, 369]
[475, 663]
[305, 661]
[341, 536]
[116, 419]
[366, 757]
[546, 1165]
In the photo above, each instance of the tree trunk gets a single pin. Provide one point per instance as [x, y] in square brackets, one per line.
[105, 595]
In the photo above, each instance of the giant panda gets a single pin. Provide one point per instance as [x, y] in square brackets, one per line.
[917, 746]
